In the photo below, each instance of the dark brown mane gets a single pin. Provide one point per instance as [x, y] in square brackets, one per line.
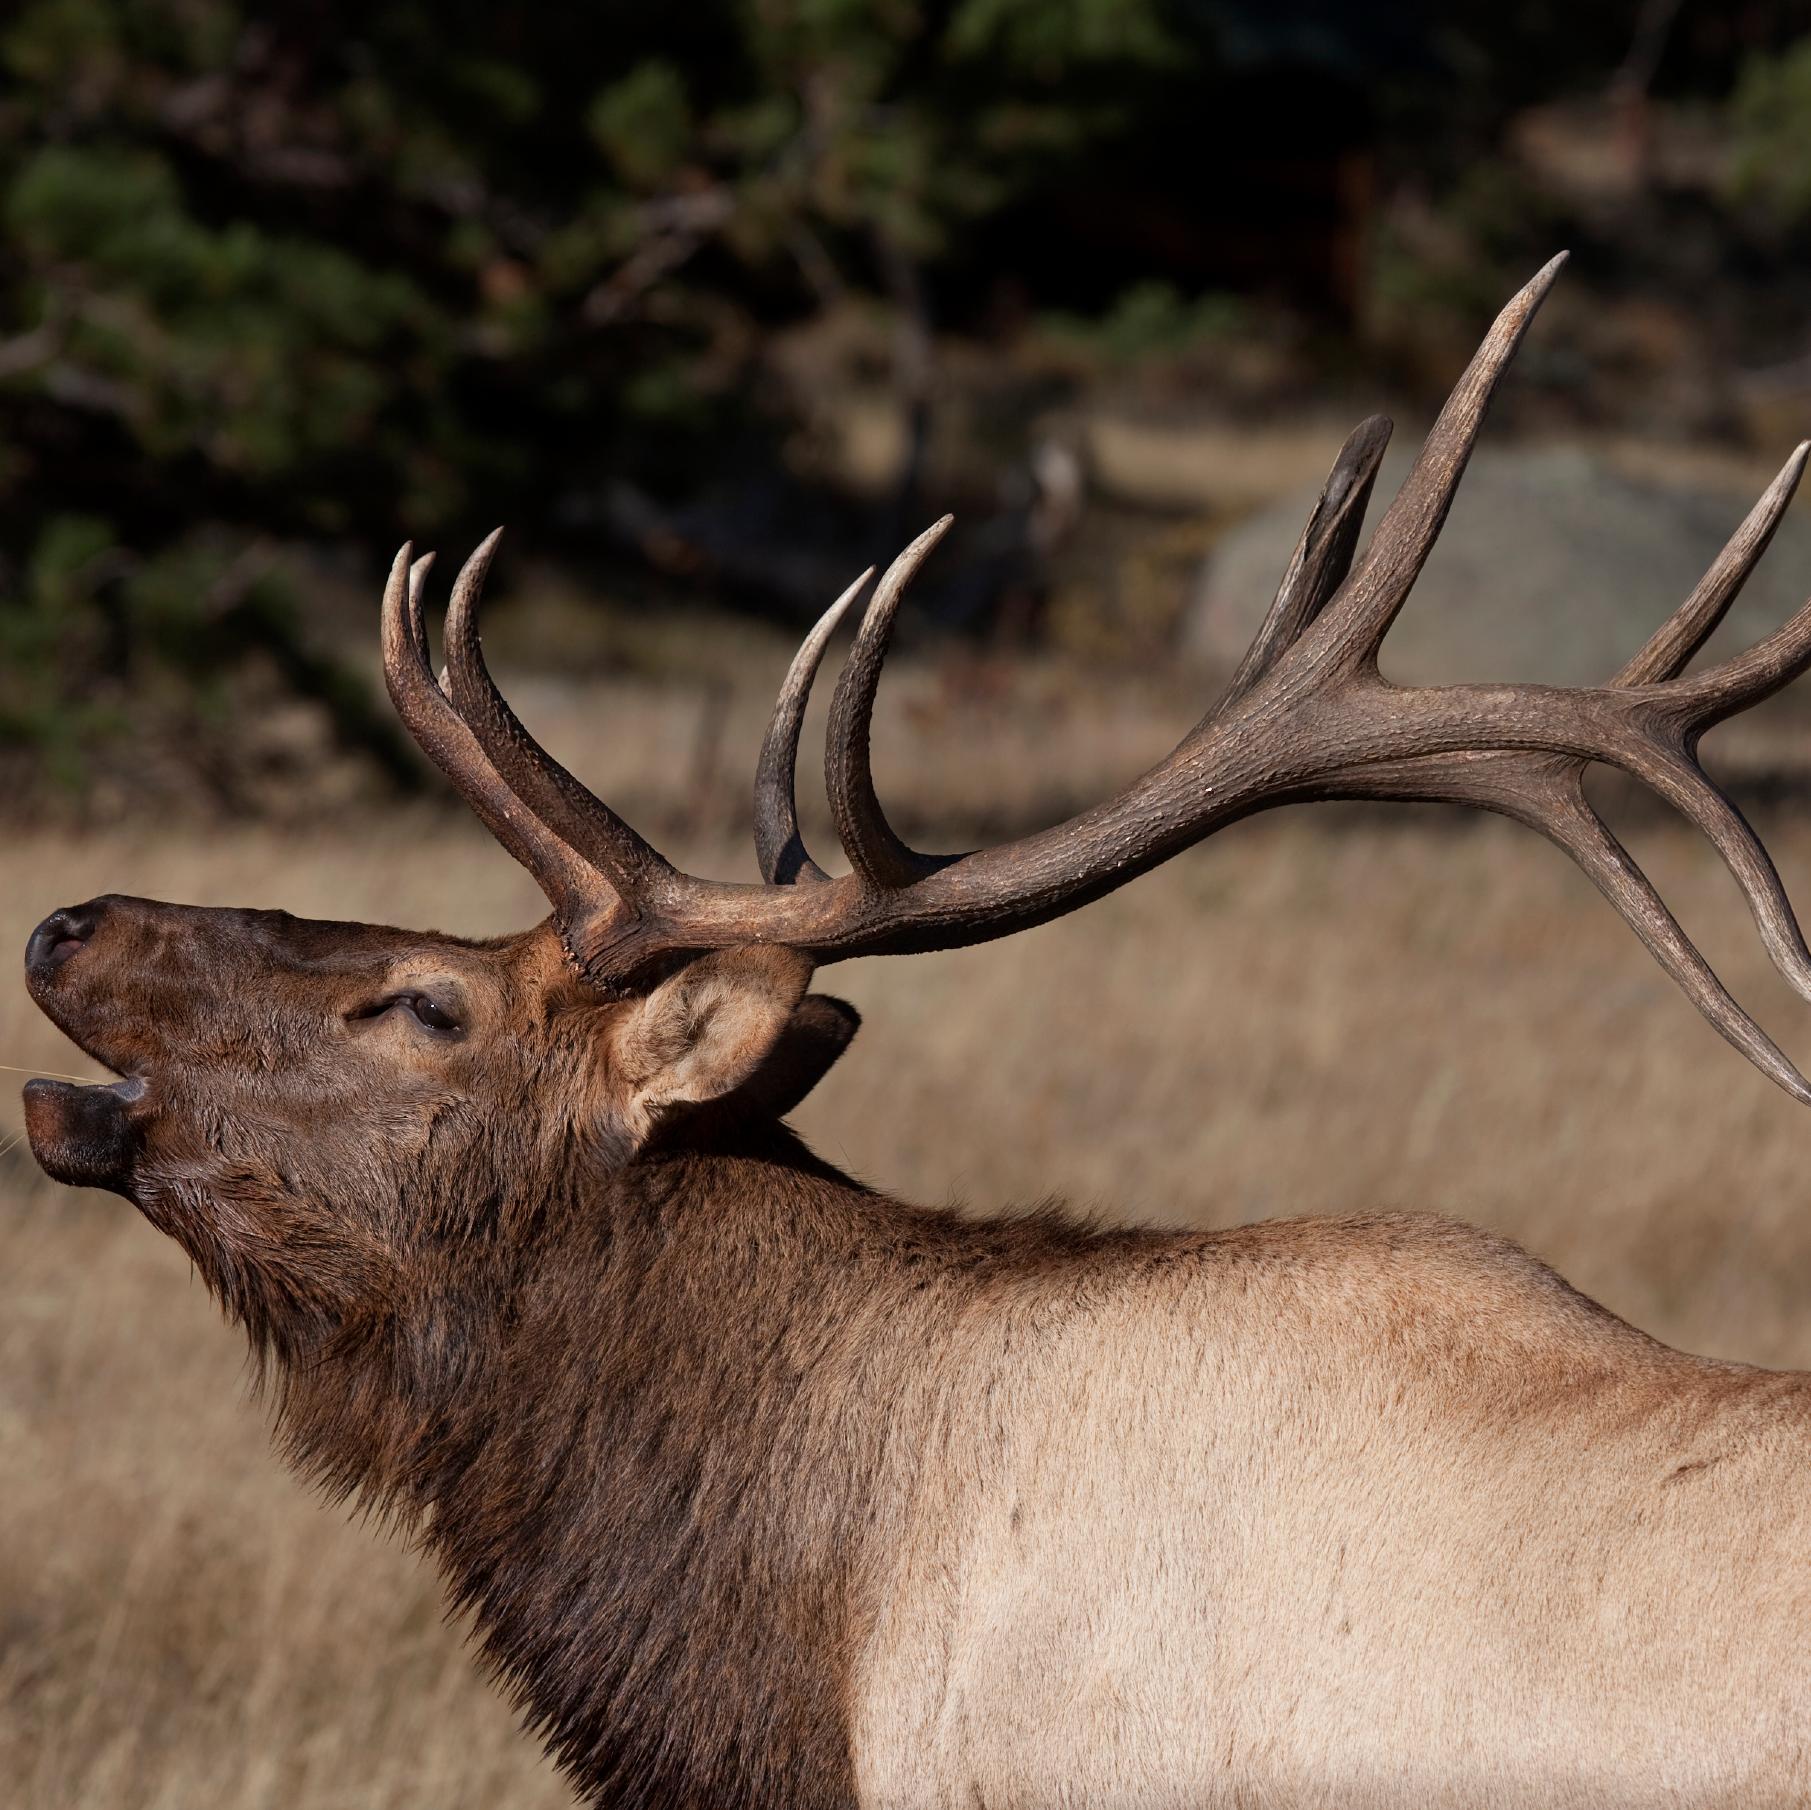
[653, 1476]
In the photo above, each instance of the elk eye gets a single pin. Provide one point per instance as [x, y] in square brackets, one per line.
[431, 1013]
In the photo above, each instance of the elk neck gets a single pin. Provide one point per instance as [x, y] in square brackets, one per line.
[666, 1477]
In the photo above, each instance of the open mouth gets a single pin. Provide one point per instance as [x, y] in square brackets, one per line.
[86, 1135]
[90, 1134]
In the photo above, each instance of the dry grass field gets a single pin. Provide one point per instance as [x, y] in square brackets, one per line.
[1314, 1012]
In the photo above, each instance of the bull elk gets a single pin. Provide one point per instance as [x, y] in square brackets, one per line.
[764, 1488]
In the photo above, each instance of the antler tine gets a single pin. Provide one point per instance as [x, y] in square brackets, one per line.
[779, 848]
[1545, 792]
[407, 674]
[1573, 826]
[583, 822]
[1743, 680]
[1359, 616]
[1735, 684]
[417, 625]
[1322, 556]
[1669, 649]
[431, 720]
[1686, 786]
[878, 856]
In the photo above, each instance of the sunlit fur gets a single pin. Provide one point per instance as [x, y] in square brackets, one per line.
[764, 1488]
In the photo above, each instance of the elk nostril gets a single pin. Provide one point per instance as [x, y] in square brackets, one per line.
[61, 935]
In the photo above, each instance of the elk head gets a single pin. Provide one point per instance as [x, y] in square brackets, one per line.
[311, 1108]
[333, 1118]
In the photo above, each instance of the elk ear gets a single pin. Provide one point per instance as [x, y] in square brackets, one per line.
[814, 1037]
[709, 1029]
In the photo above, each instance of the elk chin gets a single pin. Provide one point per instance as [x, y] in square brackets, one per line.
[89, 1137]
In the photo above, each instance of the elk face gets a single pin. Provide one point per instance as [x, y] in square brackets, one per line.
[320, 1112]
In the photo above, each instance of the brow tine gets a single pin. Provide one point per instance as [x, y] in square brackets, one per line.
[1360, 614]
[437, 730]
[415, 619]
[1668, 650]
[779, 848]
[567, 808]
[876, 853]
[1584, 836]
[1323, 555]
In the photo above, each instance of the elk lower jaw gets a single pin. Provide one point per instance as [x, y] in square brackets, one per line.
[86, 1135]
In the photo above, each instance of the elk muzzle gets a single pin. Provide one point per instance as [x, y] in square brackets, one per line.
[87, 1135]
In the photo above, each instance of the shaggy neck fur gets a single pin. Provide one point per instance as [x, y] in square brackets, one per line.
[660, 1484]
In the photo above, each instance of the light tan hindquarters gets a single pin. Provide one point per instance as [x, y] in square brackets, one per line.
[1428, 1528]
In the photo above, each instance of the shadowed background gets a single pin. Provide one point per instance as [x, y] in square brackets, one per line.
[714, 306]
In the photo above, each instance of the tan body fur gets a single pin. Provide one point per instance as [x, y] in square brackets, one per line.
[1391, 1516]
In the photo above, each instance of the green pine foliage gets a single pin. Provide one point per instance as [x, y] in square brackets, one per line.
[1770, 113]
[273, 273]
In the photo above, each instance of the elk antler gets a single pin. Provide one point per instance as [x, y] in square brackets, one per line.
[1306, 716]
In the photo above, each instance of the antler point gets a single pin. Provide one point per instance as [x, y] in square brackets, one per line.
[1534, 292]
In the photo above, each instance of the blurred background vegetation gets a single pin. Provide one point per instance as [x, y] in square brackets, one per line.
[714, 304]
